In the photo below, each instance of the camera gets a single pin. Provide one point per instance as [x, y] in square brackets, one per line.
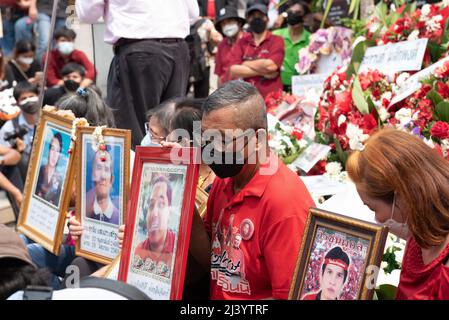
[19, 132]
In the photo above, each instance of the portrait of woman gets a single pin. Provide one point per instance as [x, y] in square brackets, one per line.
[50, 181]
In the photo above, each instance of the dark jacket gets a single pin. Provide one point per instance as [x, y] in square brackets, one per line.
[219, 4]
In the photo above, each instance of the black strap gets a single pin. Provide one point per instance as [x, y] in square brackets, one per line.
[37, 293]
[125, 290]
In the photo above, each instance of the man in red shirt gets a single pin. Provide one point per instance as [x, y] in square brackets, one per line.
[230, 25]
[257, 208]
[65, 53]
[257, 57]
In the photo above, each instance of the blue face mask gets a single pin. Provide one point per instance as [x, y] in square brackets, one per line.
[66, 47]
[146, 142]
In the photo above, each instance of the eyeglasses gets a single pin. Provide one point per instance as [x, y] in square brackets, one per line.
[152, 134]
[222, 144]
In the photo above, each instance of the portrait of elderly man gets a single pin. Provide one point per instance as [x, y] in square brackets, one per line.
[160, 241]
[99, 205]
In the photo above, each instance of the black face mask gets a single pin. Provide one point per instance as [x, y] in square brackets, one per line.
[258, 25]
[226, 170]
[294, 18]
[71, 85]
[30, 107]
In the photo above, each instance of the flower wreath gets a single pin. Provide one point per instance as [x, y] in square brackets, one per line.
[77, 122]
[99, 144]
[324, 42]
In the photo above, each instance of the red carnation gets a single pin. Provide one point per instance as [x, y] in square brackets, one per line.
[343, 101]
[440, 130]
[297, 133]
[443, 90]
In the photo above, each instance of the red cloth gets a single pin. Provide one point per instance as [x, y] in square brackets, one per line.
[272, 47]
[56, 63]
[211, 9]
[222, 59]
[262, 265]
[423, 282]
[144, 251]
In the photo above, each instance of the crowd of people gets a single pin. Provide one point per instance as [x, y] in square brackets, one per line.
[246, 245]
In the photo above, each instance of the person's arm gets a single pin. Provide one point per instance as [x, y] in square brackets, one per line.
[10, 156]
[89, 11]
[200, 247]
[6, 185]
[242, 71]
[262, 66]
[32, 11]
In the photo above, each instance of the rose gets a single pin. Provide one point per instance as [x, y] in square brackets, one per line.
[440, 130]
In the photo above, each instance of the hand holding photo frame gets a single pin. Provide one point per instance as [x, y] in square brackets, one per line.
[157, 233]
[337, 257]
[102, 190]
[48, 186]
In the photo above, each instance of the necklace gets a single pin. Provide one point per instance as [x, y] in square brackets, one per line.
[202, 180]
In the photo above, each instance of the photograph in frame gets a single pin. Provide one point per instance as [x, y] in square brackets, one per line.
[103, 190]
[49, 183]
[337, 254]
[158, 228]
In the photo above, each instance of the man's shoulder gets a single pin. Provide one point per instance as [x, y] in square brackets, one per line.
[281, 32]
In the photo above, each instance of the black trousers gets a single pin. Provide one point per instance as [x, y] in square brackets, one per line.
[141, 76]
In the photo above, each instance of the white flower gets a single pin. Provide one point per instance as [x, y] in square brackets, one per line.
[335, 81]
[404, 116]
[356, 137]
[374, 27]
[392, 8]
[434, 23]
[387, 95]
[383, 114]
[425, 11]
[341, 119]
[400, 80]
[429, 142]
[413, 36]
[384, 264]
[445, 3]
[333, 168]
[302, 143]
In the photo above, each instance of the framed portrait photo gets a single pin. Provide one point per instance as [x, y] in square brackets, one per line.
[201, 201]
[102, 191]
[48, 186]
[337, 257]
[158, 228]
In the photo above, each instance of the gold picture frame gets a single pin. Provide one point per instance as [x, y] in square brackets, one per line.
[113, 269]
[122, 140]
[201, 201]
[363, 241]
[34, 206]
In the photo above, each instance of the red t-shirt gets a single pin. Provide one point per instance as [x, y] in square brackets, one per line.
[270, 225]
[144, 250]
[211, 9]
[423, 282]
[56, 63]
[272, 47]
[222, 59]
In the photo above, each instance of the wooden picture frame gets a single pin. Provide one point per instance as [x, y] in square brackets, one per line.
[336, 245]
[43, 211]
[101, 219]
[163, 199]
[113, 269]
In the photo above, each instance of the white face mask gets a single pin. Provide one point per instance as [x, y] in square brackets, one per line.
[25, 60]
[399, 229]
[230, 30]
[66, 47]
[146, 142]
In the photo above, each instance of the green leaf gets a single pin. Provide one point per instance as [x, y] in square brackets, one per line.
[381, 12]
[386, 292]
[434, 97]
[445, 38]
[442, 111]
[326, 13]
[358, 98]
[352, 6]
[435, 50]
[343, 156]
[357, 57]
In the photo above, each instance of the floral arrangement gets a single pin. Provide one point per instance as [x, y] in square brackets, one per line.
[99, 144]
[287, 142]
[324, 42]
[77, 122]
[274, 99]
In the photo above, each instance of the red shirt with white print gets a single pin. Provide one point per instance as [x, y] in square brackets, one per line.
[256, 234]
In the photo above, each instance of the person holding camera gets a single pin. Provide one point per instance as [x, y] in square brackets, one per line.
[18, 132]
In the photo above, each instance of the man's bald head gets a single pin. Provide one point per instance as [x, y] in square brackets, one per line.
[249, 106]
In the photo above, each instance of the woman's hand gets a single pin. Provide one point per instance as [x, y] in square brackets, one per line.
[121, 235]
[75, 228]
[18, 197]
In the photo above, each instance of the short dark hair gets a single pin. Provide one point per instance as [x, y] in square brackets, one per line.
[58, 137]
[187, 110]
[90, 106]
[66, 33]
[16, 275]
[302, 3]
[24, 46]
[242, 94]
[24, 87]
[73, 67]
[337, 253]
[163, 179]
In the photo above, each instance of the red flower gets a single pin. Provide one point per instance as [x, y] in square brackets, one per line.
[297, 133]
[440, 130]
[369, 123]
[443, 90]
[102, 147]
[343, 102]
